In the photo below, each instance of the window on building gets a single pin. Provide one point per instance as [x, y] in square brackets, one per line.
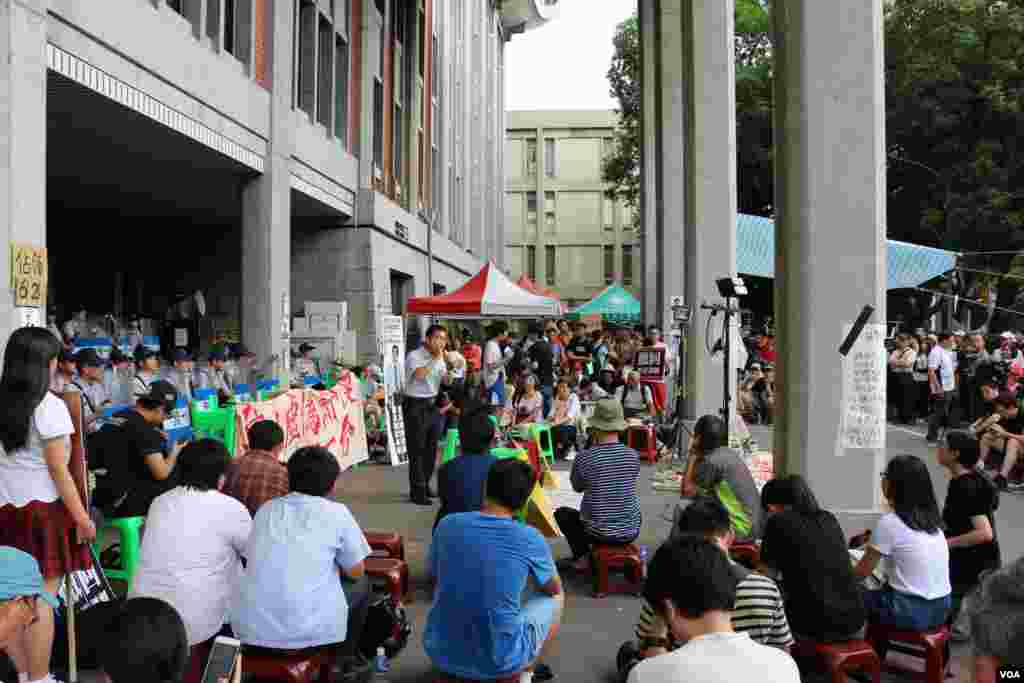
[549, 212]
[435, 181]
[397, 125]
[238, 28]
[627, 264]
[550, 162]
[531, 262]
[609, 264]
[421, 32]
[531, 208]
[402, 288]
[435, 67]
[325, 74]
[341, 90]
[439, 289]
[549, 264]
[378, 126]
[531, 157]
[177, 5]
[213, 23]
[307, 56]
[609, 214]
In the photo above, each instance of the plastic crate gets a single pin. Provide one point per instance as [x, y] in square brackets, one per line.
[215, 423]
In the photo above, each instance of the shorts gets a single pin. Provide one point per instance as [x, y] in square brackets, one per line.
[539, 614]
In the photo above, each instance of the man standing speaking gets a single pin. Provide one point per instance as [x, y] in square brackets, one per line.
[425, 370]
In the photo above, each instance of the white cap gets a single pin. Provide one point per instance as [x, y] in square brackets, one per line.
[1008, 335]
[959, 333]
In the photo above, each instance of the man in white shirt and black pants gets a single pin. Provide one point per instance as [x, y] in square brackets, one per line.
[425, 370]
[942, 380]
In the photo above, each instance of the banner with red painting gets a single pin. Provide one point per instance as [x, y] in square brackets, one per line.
[332, 419]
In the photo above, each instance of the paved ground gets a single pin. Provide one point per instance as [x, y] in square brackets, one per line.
[593, 629]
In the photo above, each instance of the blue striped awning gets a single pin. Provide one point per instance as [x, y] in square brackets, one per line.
[910, 265]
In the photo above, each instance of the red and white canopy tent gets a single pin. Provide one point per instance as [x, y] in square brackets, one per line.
[488, 294]
[532, 287]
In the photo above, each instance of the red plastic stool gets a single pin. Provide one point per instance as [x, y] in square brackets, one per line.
[624, 558]
[394, 573]
[300, 667]
[649, 451]
[934, 642]
[388, 542]
[841, 658]
[747, 554]
[445, 678]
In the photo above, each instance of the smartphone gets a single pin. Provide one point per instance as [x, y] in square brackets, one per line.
[220, 667]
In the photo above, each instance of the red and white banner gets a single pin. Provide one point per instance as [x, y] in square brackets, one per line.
[332, 419]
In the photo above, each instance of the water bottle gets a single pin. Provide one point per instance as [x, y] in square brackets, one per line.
[380, 662]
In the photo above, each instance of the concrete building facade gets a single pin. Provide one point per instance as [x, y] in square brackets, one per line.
[266, 152]
[560, 229]
[830, 211]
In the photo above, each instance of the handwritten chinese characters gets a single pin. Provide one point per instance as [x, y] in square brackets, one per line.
[863, 391]
[28, 274]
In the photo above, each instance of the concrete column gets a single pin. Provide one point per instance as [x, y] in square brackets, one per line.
[651, 262]
[22, 136]
[266, 207]
[830, 230]
[710, 235]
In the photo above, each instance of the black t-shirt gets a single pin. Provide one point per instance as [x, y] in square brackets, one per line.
[1013, 425]
[541, 354]
[823, 597]
[970, 495]
[582, 346]
[131, 484]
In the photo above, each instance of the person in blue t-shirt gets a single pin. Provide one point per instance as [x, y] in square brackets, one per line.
[460, 482]
[480, 627]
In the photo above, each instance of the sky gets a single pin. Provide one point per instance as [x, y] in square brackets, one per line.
[562, 65]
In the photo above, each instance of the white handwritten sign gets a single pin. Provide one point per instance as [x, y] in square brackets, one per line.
[863, 390]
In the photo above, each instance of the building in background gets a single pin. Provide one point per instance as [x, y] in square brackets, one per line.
[265, 152]
[560, 229]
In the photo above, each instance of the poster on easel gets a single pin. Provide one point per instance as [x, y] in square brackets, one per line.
[391, 342]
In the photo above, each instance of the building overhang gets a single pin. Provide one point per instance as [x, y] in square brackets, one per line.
[518, 16]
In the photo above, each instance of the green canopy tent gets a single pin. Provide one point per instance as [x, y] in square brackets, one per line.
[614, 304]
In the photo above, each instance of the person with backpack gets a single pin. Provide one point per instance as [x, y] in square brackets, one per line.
[95, 394]
[41, 511]
[132, 451]
[636, 398]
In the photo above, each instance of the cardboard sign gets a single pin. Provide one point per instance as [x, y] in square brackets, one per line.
[28, 274]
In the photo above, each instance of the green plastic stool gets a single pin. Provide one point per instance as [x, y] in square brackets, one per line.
[215, 423]
[451, 446]
[129, 530]
[506, 453]
[541, 435]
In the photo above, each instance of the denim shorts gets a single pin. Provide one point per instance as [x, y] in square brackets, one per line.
[904, 611]
[539, 613]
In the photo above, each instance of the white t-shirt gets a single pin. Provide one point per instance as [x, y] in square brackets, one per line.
[190, 556]
[917, 563]
[431, 385]
[941, 360]
[24, 476]
[719, 658]
[492, 355]
[636, 398]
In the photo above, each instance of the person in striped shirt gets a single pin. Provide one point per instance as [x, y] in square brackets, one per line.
[759, 610]
[606, 475]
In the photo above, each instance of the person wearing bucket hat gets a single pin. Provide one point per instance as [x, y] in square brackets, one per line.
[25, 633]
[606, 474]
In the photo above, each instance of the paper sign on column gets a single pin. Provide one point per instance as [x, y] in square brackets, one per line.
[28, 274]
[863, 409]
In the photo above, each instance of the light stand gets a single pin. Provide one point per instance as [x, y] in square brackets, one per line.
[681, 315]
[729, 289]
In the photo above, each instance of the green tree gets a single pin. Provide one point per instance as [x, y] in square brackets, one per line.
[621, 168]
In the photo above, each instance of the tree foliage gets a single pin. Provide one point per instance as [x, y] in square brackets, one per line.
[621, 169]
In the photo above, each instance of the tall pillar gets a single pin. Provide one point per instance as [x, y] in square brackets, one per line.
[710, 234]
[22, 136]
[830, 231]
[650, 81]
[266, 208]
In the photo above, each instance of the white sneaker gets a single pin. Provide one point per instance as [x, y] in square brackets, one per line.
[571, 455]
[526, 677]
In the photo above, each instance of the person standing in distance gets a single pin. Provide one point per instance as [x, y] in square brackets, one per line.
[425, 369]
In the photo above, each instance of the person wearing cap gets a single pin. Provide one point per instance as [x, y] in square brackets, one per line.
[217, 376]
[250, 370]
[26, 615]
[95, 394]
[306, 365]
[183, 375]
[147, 368]
[41, 511]
[67, 372]
[133, 452]
[606, 474]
